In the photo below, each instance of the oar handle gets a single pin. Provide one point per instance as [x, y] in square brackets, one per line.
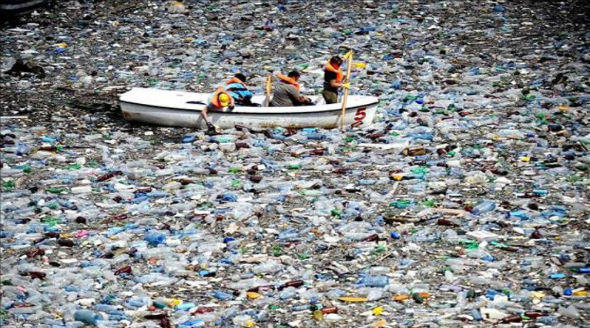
[268, 90]
[348, 57]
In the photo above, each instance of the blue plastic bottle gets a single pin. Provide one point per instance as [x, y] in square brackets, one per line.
[86, 316]
[373, 281]
[155, 238]
[223, 296]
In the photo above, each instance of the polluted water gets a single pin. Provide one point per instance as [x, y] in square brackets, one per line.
[464, 203]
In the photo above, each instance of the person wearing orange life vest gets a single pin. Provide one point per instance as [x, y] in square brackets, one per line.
[286, 91]
[220, 101]
[333, 80]
[236, 87]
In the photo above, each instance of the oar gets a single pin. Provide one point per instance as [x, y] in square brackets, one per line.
[348, 57]
[268, 84]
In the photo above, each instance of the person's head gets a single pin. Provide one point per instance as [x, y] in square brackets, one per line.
[336, 61]
[241, 77]
[224, 99]
[294, 75]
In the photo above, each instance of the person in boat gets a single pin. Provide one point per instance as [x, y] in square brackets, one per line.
[333, 80]
[236, 87]
[286, 91]
[220, 101]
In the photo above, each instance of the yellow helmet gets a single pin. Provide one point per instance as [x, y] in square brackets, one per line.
[224, 99]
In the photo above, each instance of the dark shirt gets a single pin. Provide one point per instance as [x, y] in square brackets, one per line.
[329, 76]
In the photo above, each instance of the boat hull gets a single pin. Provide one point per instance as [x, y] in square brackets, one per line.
[360, 113]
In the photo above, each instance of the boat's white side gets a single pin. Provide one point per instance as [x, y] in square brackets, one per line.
[177, 108]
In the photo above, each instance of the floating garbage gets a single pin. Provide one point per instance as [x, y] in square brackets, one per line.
[465, 202]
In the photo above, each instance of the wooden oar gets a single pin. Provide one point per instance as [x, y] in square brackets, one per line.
[268, 87]
[348, 57]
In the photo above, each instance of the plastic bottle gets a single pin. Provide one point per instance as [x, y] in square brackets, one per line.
[483, 207]
[373, 281]
[86, 316]
[243, 321]
[155, 238]
[223, 296]
[395, 235]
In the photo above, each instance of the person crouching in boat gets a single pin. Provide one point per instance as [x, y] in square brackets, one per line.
[236, 87]
[333, 80]
[220, 101]
[286, 91]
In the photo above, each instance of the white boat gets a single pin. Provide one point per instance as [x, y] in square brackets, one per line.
[180, 108]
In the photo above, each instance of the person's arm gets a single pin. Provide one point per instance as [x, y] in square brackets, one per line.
[335, 84]
[303, 99]
[297, 97]
[332, 78]
[210, 125]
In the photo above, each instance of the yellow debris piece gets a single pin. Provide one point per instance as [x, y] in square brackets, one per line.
[360, 65]
[174, 302]
[253, 295]
[353, 299]
[378, 310]
[398, 177]
[537, 294]
[248, 323]
[62, 45]
[318, 315]
[580, 293]
[525, 159]
[563, 108]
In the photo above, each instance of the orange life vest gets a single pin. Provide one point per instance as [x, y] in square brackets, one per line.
[289, 80]
[339, 73]
[215, 98]
[235, 80]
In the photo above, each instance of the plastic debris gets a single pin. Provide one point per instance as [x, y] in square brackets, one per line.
[464, 204]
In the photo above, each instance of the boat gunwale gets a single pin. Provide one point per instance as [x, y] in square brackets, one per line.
[243, 110]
